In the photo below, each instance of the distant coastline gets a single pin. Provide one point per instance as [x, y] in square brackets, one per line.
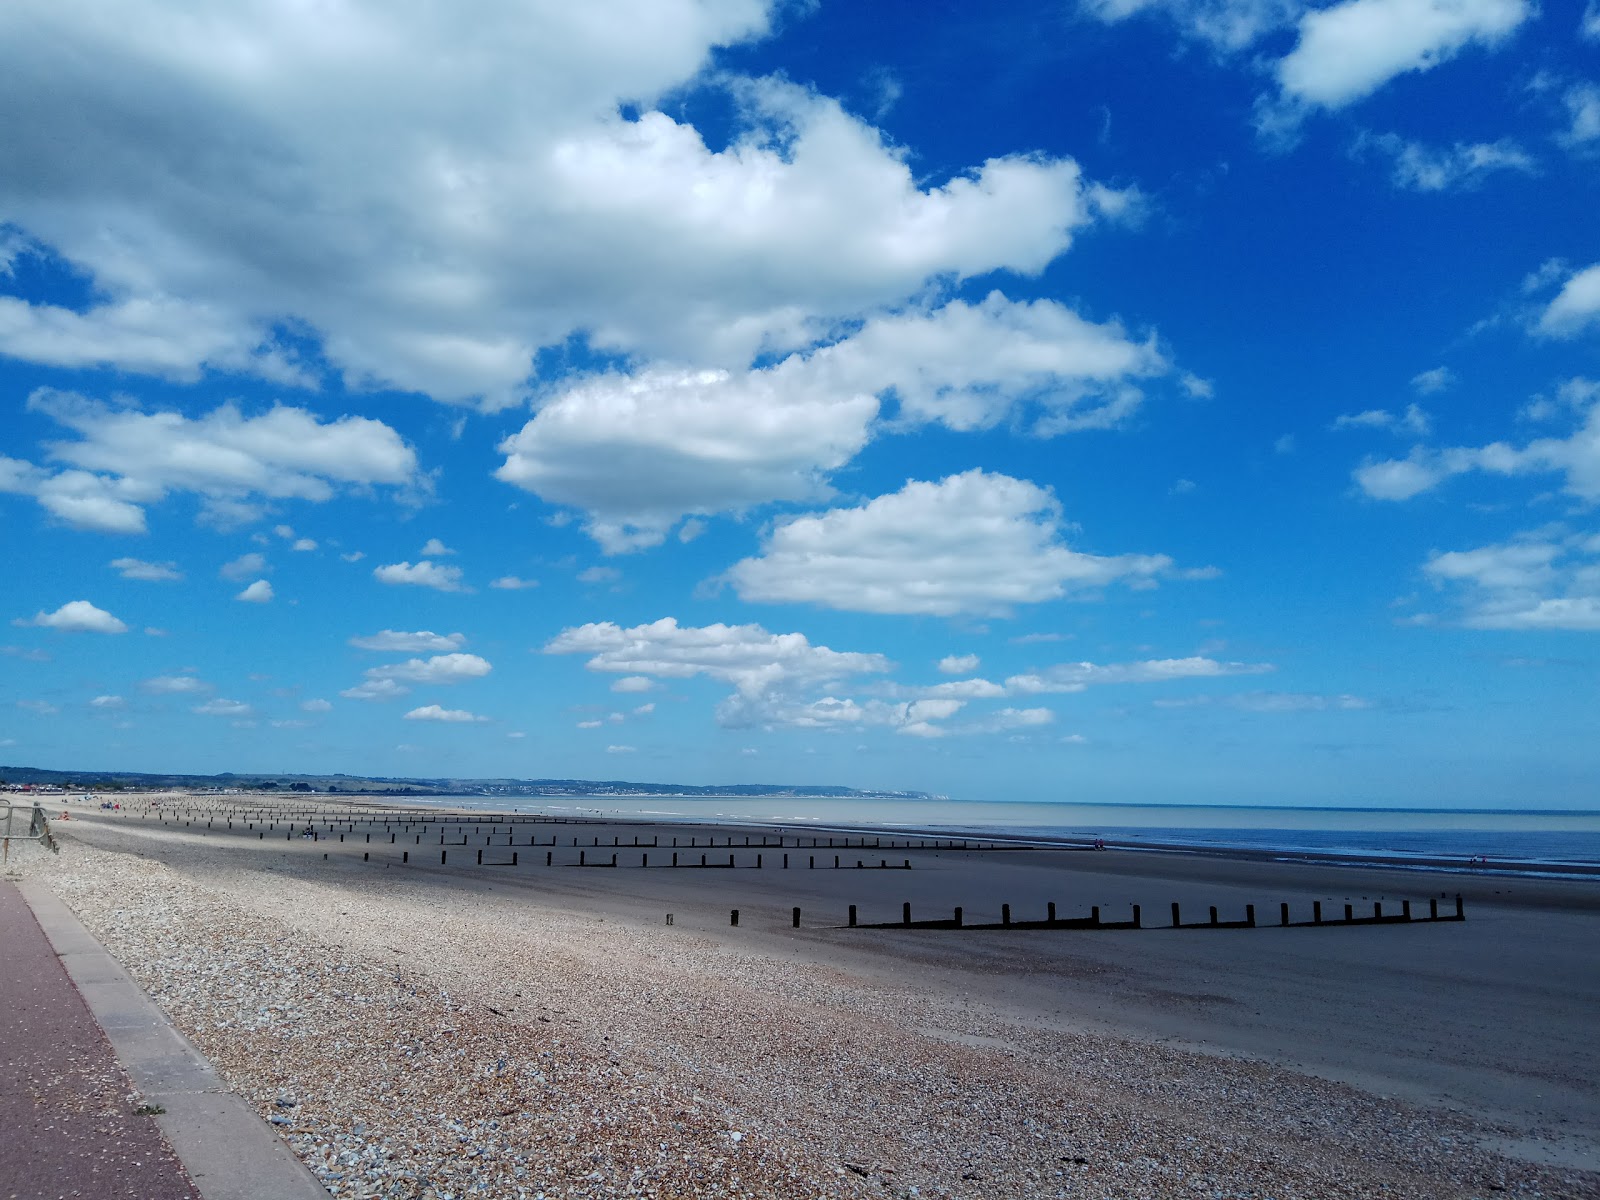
[397, 786]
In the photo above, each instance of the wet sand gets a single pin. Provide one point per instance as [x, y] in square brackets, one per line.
[1488, 1021]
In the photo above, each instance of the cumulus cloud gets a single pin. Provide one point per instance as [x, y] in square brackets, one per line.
[766, 670]
[376, 689]
[222, 708]
[1544, 580]
[1271, 702]
[1349, 50]
[958, 664]
[434, 548]
[973, 543]
[107, 702]
[42, 708]
[303, 545]
[1226, 25]
[259, 592]
[511, 583]
[244, 566]
[633, 683]
[639, 452]
[432, 712]
[1421, 168]
[175, 685]
[423, 574]
[1582, 102]
[151, 572]
[537, 206]
[620, 750]
[123, 459]
[1430, 382]
[1413, 421]
[1075, 677]
[1576, 457]
[75, 616]
[315, 706]
[1576, 306]
[441, 668]
[421, 642]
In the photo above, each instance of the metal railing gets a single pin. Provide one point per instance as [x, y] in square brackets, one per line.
[23, 824]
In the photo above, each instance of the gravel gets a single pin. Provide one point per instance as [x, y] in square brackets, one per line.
[410, 1039]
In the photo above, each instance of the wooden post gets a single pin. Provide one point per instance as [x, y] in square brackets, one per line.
[583, 860]
[1005, 914]
[958, 918]
[1137, 924]
[442, 854]
[613, 860]
[645, 860]
[812, 863]
[734, 920]
[758, 858]
[785, 862]
[905, 913]
[796, 915]
[548, 856]
[1213, 914]
[405, 856]
[1175, 921]
[1349, 912]
[1283, 914]
[1050, 910]
[835, 858]
[1377, 910]
[1250, 915]
[1094, 914]
[702, 860]
[513, 858]
[674, 858]
[366, 854]
[1461, 911]
[1433, 910]
[480, 858]
[1316, 912]
[1405, 910]
[852, 915]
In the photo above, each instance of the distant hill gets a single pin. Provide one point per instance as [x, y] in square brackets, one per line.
[109, 781]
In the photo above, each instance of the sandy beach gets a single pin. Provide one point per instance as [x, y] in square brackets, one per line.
[435, 1030]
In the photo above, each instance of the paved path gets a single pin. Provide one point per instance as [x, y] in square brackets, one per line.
[67, 1127]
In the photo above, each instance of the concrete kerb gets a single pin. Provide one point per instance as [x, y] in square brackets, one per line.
[228, 1150]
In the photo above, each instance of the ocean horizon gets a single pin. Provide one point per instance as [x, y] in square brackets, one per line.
[1530, 837]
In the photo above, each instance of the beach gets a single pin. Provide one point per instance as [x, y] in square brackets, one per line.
[418, 1028]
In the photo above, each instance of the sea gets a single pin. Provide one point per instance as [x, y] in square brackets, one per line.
[1564, 843]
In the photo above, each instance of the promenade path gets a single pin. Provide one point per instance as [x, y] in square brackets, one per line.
[68, 1127]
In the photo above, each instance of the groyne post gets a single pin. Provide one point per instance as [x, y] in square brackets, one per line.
[1461, 910]
[1250, 915]
[1005, 914]
[852, 915]
[1050, 912]
[1175, 921]
[905, 912]
[1349, 912]
[958, 918]
[1283, 914]
[1316, 912]
[1094, 914]
[1137, 923]
[734, 919]
[796, 916]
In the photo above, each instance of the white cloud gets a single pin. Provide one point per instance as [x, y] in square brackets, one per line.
[1075, 677]
[1583, 111]
[532, 209]
[353, 556]
[244, 566]
[222, 708]
[422, 642]
[634, 683]
[133, 568]
[599, 575]
[75, 616]
[107, 702]
[1576, 306]
[590, 724]
[441, 668]
[1590, 25]
[434, 548]
[1413, 421]
[511, 583]
[1428, 383]
[1225, 25]
[766, 670]
[175, 685]
[958, 664]
[123, 459]
[639, 452]
[972, 543]
[1577, 457]
[303, 545]
[1349, 50]
[41, 708]
[432, 712]
[315, 706]
[1423, 168]
[1270, 702]
[376, 689]
[423, 574]
[1543, 580]
[259, 592]
[644, 710]
[620, 750]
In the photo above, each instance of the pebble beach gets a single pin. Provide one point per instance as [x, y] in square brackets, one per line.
[418, 1035]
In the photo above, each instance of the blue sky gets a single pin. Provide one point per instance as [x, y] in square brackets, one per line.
[1121, 400]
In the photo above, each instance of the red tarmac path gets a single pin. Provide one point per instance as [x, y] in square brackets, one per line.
[67, 1125]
